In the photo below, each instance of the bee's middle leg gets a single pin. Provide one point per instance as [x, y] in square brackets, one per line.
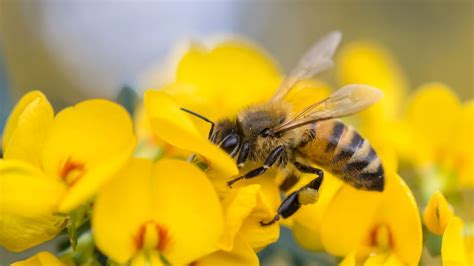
[308, 194]
[269, 162]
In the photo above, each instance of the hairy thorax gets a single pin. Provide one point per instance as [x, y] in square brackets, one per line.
[255, 119]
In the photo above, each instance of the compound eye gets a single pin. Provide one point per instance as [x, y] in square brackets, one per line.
[230, 144]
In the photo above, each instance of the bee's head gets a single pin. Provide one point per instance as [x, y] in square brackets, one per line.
[227, 135]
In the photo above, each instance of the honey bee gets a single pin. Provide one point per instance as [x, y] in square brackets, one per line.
[271, 135]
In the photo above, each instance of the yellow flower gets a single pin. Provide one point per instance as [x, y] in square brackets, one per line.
[457, 248]
[435, 122]
[43, 258]
[442, 129]
[368, 63]
[151, 210]
[382, 228]
[52, 164]
[437, 214]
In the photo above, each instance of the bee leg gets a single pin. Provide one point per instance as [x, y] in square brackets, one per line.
[315, 183]
[271, 159]
[308, 194]
[289, 206]
[244, 154]
[289, 181]
[274, 220]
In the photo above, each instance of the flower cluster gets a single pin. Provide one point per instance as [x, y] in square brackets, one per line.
[151, 190]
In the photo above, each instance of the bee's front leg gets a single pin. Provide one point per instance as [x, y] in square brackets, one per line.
[243, 154]
[271, 159]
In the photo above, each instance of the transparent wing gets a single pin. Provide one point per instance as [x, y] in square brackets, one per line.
[317, 59]
[346, 101]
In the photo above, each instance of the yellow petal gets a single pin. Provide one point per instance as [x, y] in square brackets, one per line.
[399, 212]
[28, 201]
[377, 259]
[469, 245]
[147, 259]
[174, 126]
[430, 106]
[244, 208]
[43, 258]
[87, 144]
[27, 127]
[452, 248]
[393, 260]
[173, 195]
[349, 260]
[368, 63]
[26, 191]
[94, 178]
[348, 219]
[307, 221]
[437, 214]
[189, 209]
[395, 209]
[233, 74]
[114, 231]
[241, 254]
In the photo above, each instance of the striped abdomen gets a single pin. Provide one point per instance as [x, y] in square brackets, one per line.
[342, 151]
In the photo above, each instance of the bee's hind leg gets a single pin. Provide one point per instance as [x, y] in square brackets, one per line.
[290, 180]
[308, 194]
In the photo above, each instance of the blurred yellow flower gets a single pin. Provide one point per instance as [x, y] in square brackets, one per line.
[369, 63]
[43, 258]
[435, 128]
[217, 82]
[457, 248]
[380, 228]
[443, 131]
[157, 212]
[437, 214]
[52, 164]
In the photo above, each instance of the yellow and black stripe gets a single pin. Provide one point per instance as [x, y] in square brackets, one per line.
[343, 152]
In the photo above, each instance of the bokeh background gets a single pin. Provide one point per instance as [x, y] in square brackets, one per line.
[73, 50]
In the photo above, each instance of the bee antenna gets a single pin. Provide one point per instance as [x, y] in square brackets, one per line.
[203, 118]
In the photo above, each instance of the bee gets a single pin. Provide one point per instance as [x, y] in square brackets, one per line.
[271, 135]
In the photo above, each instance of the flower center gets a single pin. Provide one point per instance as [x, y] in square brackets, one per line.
[152, 236]
[71, 172]
[381, 237]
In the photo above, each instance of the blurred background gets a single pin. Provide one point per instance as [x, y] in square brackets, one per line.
[73, 50]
